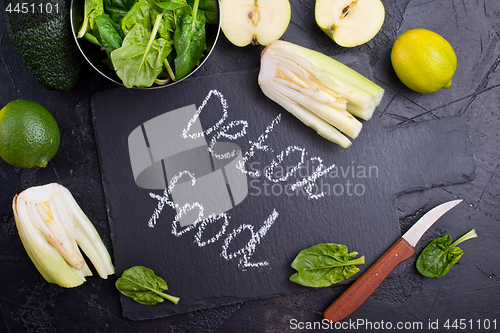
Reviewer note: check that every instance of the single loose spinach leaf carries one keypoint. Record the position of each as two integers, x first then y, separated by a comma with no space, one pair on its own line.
140,58
325,264
189,43
141,284
440,255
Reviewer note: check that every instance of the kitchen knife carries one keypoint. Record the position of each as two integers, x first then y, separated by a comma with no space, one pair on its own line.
400,251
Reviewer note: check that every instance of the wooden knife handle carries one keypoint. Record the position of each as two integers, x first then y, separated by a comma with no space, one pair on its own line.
366,284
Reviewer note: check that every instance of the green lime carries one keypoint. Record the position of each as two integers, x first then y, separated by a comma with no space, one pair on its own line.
29,135
423,60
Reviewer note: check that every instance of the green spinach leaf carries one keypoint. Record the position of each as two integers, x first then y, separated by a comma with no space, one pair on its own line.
140,58
209,9
145,14
117,9
91,38
141,284
92,9
440,255
325,264
142,13
109,37
167,26
169,5
189,42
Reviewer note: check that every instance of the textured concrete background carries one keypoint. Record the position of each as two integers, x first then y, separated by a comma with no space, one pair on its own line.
470,291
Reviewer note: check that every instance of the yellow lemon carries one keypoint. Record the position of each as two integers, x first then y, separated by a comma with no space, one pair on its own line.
423,60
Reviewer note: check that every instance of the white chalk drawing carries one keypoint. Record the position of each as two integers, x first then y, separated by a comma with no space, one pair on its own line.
173,168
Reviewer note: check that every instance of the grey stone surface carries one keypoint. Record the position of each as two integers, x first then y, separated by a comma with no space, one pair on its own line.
469,291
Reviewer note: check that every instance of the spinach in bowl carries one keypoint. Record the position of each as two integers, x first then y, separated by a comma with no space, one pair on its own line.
146,43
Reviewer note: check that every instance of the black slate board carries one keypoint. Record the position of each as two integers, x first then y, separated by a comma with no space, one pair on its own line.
210,265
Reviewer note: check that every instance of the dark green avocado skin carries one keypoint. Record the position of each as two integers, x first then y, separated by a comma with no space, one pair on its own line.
45,42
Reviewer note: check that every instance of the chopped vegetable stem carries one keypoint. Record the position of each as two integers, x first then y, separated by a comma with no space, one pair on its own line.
53,229
306,82
169,69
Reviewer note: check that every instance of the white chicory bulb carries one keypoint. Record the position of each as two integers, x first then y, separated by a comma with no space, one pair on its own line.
53,229
320,91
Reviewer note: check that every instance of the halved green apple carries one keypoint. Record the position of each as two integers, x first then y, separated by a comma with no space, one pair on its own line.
350,22
254,21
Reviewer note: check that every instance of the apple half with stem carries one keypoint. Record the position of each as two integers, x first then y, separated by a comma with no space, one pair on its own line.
254,21
350,22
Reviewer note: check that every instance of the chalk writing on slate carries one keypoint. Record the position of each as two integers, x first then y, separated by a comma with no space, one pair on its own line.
203,181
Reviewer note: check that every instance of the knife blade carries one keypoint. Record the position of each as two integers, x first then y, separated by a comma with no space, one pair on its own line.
400,251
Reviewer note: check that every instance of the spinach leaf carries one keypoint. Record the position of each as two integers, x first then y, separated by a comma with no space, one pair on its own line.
209,9
189,42
440,255
91,38
169,5
142,13
145,14
117,9
167,26
109,37
140,58
141,284
92,9
325,264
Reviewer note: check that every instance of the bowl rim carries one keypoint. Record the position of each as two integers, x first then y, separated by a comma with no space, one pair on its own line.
117,80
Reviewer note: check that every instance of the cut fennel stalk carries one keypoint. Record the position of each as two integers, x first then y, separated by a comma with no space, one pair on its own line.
53,228
321,92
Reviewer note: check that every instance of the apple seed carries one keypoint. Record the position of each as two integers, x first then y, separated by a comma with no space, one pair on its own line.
345,11
254,16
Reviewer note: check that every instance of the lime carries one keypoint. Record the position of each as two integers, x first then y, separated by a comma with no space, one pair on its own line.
423,60
29,135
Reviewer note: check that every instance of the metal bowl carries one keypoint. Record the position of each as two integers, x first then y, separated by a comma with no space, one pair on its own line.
95,56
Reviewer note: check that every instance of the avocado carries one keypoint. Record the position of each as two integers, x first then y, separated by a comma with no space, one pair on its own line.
43,38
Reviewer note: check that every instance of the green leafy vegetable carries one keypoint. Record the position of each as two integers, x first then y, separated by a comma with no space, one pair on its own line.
149,41
143,286
142,13
441,254
145,14
140,58
91,38
189,42
92,9
168,5
109,37
117,9
325,264
167,25
209,9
